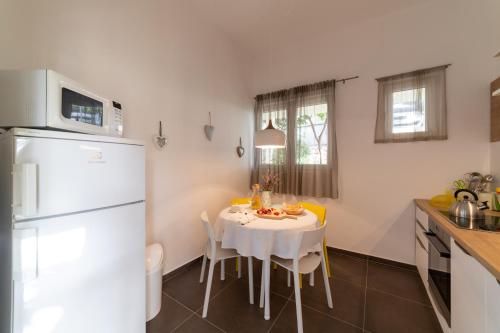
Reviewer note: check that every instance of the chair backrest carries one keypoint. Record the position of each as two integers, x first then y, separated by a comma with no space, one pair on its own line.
310,239
240,201
318,210
208,228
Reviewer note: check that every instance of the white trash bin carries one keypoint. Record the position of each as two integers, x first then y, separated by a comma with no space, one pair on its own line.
154,274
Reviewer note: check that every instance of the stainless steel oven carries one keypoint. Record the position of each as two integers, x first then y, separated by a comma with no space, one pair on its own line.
440,268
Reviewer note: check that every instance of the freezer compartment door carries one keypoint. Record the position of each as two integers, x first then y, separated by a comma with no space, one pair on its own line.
81,273
54,176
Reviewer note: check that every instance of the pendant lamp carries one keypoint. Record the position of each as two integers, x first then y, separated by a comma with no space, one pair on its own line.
270,137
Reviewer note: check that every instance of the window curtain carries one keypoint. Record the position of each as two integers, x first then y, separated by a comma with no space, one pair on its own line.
308,164
412,106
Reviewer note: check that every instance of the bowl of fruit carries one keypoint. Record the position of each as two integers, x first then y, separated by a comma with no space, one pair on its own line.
293,209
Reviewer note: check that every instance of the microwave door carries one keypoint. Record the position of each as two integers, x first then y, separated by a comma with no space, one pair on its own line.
73,108
81,108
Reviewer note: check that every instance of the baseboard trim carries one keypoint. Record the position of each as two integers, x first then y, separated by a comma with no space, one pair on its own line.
182,268
373,258
389,262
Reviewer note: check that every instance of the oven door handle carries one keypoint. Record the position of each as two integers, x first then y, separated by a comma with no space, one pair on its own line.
436,243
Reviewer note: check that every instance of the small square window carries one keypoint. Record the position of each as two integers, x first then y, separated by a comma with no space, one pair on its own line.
412,106
408,111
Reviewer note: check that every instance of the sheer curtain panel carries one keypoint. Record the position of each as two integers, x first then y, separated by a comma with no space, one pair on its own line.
308,164
412,106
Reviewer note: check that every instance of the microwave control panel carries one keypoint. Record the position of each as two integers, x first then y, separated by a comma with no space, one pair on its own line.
117,119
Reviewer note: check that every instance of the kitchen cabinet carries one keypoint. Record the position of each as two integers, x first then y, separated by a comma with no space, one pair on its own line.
422,258
475,291
492,304
421,254
468,297
421,244
475,295
495,112
422,218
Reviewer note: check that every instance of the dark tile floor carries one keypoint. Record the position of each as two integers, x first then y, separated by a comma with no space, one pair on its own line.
368,296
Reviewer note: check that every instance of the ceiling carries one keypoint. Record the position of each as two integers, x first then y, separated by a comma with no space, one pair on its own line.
256,24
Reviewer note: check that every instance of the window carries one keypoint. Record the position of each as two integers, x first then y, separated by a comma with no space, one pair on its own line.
311,141
308,164
412,106
408,111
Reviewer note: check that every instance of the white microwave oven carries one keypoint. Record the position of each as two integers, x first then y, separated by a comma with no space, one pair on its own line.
43,98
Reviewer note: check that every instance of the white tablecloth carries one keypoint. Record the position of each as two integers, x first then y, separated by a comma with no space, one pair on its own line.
259,237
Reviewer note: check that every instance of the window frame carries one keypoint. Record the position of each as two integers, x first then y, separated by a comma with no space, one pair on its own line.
289,143
390,115
433,80
325,132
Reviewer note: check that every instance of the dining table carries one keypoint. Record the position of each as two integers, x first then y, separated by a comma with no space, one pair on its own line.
238,227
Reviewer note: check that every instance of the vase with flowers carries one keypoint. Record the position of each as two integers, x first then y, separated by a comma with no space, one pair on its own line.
269,181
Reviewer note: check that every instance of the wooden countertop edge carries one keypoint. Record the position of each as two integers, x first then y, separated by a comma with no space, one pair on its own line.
483,246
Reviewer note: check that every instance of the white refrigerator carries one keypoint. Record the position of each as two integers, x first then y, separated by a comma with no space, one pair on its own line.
72,233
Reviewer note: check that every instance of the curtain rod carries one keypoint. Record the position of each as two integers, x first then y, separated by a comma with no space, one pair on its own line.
333,80
412,72
347,79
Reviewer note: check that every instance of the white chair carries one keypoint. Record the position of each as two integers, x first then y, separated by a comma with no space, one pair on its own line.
306,265
215,253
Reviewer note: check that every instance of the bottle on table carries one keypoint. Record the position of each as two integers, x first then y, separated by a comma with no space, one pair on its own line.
256,201
495,202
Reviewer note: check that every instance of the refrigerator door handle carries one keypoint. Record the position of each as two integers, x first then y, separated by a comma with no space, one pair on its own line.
25,255
25,189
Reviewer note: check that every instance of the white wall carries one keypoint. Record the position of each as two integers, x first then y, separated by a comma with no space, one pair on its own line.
161,63
374,214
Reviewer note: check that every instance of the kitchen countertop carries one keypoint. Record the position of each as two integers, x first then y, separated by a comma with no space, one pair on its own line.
482,245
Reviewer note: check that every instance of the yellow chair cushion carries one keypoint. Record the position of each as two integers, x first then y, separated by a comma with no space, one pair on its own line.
318,210
240,201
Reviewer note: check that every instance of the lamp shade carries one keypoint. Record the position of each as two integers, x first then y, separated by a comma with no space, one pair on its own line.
270,137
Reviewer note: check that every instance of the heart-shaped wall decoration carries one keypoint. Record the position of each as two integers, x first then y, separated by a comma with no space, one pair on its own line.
160,141
240,150
209,132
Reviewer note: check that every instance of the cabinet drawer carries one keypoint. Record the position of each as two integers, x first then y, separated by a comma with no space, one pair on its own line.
420,233
422,217
421,260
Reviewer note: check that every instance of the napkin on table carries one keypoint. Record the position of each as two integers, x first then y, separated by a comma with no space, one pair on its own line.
243,218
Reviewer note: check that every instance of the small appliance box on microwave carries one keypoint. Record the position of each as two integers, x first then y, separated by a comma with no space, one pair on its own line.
45,99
